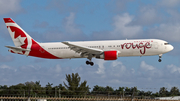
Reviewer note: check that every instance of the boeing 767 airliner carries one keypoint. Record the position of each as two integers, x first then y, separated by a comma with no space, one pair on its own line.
107,50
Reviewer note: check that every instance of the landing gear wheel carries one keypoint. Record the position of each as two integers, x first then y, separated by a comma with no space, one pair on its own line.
160,56
87,62
159,60
91,63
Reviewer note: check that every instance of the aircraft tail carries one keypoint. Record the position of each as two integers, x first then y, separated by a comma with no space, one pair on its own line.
24,44
21,39
18,35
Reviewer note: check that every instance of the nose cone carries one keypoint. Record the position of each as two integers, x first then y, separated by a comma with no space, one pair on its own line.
170,48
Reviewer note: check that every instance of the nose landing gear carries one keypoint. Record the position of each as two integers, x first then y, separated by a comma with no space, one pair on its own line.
159,60
160,56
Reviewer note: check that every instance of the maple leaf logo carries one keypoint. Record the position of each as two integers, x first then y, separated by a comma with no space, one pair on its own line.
18,41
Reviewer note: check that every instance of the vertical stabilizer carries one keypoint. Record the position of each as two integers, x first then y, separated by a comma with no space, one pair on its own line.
24,44
19,36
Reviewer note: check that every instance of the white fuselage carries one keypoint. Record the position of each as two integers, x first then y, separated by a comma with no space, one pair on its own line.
141,47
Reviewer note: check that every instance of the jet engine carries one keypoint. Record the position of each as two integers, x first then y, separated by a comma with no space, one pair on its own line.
108,55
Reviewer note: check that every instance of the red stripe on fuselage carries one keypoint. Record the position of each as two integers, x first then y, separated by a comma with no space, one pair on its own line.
38,51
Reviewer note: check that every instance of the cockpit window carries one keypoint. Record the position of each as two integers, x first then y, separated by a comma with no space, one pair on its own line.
166,43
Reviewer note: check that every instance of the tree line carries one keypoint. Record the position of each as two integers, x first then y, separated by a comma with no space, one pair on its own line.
74,87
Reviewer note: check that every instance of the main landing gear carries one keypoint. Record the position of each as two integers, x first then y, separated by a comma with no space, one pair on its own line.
89,62
160,56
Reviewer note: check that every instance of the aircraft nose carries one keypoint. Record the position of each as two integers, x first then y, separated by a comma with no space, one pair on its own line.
170,48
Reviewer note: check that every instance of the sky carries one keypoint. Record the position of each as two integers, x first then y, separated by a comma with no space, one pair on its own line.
81,20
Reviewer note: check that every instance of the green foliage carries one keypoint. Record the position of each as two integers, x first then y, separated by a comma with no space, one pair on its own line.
163,92
120,91
74,87
131,91
98,90
154,95
174,91
49,91
102,90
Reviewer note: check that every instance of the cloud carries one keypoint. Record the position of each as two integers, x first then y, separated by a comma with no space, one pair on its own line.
70,31
113,73
146,67
121,26
70,26
10,6
15,75
7,58
122,29
172,68
63,6
118,5
149,72
101,67
166,31
169,3
157,20
41,24
124,25
117,66
146,16
173,16
5,67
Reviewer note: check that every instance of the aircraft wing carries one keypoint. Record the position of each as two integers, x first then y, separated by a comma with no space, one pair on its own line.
17,48
82,49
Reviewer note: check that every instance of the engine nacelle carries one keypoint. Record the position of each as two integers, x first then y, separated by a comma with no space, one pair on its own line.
108,55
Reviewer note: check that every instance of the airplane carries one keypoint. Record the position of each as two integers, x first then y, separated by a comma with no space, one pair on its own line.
107,49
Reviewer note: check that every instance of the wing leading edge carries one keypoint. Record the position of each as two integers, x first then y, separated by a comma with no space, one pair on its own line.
83,49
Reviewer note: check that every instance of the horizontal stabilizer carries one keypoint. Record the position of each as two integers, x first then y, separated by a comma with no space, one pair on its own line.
17,48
